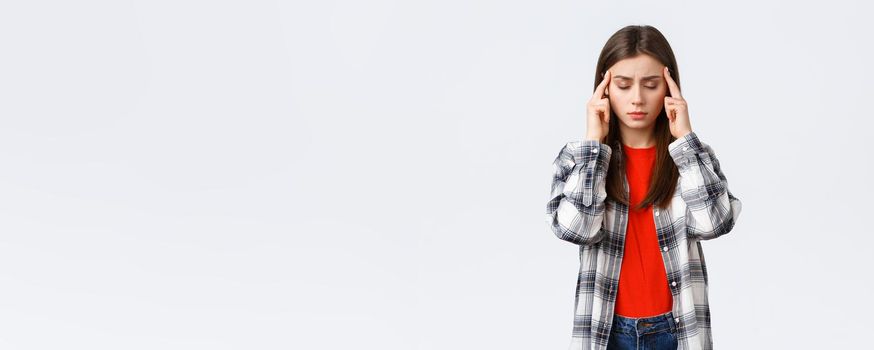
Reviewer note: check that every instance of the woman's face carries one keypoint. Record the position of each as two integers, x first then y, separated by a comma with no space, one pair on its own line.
638,84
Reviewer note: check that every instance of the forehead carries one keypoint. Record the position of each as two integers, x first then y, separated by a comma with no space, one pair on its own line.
638,67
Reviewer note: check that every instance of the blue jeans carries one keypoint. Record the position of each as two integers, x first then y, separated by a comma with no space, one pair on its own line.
646,333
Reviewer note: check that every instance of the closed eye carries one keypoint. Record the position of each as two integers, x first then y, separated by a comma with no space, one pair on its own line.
648,87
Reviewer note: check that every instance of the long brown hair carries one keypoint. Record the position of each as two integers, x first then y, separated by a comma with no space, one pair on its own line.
629,42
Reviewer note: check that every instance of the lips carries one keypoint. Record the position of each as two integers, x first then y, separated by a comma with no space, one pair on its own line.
637,115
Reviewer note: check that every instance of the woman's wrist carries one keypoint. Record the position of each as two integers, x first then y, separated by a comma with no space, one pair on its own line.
594,138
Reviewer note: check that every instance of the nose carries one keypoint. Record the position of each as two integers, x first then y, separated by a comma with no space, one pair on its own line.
637,96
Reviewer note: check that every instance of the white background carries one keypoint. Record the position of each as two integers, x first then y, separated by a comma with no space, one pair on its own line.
374,175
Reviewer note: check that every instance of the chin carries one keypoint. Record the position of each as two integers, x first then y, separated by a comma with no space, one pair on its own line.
638,124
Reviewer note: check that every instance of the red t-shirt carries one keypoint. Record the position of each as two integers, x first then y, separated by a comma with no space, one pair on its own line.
643,282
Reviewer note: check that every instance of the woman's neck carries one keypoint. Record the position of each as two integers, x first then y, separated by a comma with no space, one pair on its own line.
638,138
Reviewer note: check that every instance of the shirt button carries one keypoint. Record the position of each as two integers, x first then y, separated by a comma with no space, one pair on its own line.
664,249
685,148
676,320
674,283
594,150
657,213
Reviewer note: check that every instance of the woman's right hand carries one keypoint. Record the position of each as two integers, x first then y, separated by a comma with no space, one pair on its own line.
598,112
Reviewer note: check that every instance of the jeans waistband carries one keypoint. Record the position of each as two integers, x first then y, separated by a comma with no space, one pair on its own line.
643,325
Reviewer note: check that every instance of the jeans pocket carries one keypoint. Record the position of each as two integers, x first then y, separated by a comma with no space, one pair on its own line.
663,340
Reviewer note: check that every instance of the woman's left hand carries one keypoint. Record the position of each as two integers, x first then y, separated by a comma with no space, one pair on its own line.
676,109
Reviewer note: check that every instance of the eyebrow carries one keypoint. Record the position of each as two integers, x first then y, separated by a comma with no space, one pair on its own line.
651,77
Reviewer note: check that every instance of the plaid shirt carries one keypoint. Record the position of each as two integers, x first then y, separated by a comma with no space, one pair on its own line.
702,208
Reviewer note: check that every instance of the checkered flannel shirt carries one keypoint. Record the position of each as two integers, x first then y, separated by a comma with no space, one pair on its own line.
577,211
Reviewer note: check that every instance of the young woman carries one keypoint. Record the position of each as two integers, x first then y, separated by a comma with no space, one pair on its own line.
638,195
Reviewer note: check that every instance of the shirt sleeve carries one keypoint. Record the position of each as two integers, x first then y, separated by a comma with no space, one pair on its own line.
575,210
711,208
